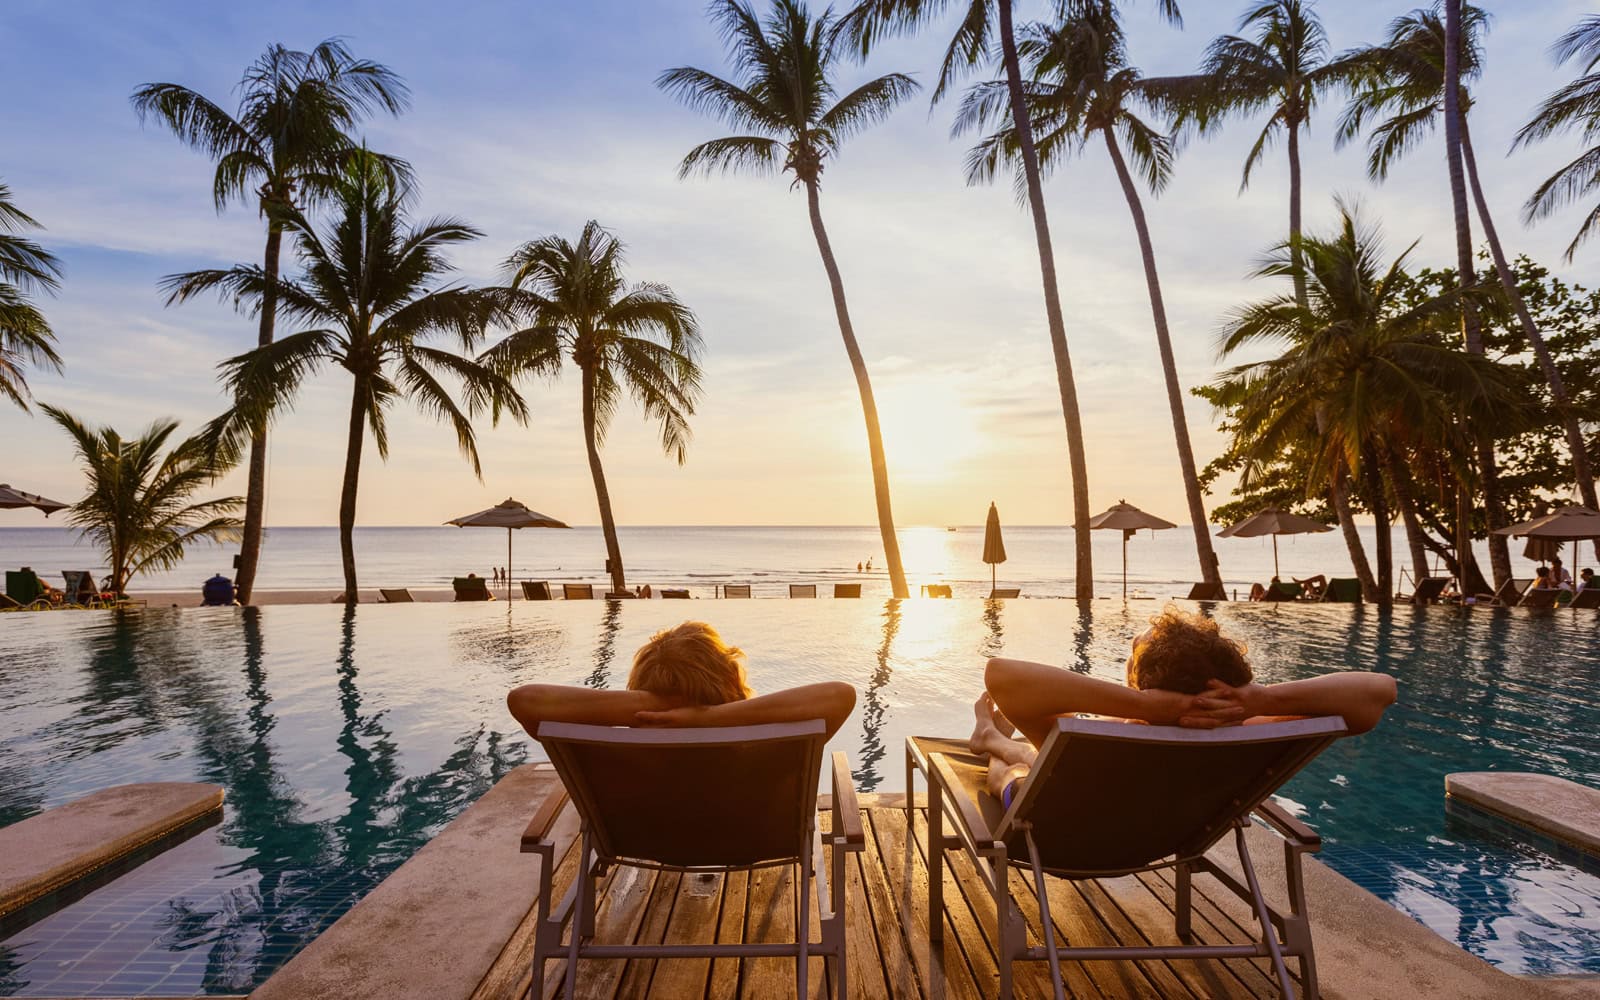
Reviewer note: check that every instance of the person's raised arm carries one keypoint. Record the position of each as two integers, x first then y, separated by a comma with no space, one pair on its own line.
830,701
1034,695
532,704
1358,697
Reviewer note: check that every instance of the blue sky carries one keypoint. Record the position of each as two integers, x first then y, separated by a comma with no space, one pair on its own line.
530,118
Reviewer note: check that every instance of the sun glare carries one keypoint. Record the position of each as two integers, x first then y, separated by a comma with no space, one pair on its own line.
927,431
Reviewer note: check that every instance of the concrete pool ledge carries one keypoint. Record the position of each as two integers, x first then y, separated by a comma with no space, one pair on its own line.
61,847
1560,809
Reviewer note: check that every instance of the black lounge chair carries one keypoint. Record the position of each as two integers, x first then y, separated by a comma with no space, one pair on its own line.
577,591
1537,598
471,588
396,595
740,590
1588,598
802,590
1281,591
1004,593
1510,592
1428,590
847,590
536,590
1342,590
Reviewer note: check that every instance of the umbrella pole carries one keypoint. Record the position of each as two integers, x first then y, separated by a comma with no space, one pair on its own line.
1124,567
991,579
1275,558
508,566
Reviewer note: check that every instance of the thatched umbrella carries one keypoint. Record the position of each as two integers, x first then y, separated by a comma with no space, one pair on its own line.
1272,521
15,499
1126,518
994,547
508,515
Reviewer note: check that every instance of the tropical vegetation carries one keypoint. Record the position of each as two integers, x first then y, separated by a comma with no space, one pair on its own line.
140,508
575,304
790,117
282,149
26,339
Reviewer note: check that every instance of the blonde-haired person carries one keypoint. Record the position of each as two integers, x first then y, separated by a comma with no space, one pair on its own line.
684,676
1180,671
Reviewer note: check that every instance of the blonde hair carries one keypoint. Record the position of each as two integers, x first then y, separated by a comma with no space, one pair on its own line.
1183,651
690,661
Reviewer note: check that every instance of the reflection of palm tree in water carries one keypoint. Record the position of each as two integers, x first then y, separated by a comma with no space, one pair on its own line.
995,642
606,651
866,775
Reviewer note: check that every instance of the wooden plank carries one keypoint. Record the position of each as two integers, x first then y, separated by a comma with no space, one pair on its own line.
636,978
725,972
770,917
941,968
884,914
1144,910
621,911
693,921
1213,926
863,966
1097,895
1077,925
1074,974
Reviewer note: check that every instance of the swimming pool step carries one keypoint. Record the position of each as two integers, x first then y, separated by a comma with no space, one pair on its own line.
1552,807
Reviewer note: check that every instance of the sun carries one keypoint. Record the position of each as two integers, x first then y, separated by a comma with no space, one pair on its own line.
927,430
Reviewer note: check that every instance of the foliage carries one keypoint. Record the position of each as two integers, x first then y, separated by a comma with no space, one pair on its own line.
25,267
1575,106
139,508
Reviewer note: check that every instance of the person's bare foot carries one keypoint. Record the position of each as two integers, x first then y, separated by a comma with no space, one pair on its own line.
984,728
1002,724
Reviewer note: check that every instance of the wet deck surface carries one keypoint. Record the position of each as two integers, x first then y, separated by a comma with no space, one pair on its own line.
887,931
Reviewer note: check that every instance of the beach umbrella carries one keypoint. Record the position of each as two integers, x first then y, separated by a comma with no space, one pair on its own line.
1568,524
1126,518
1541,549
994,547
509,515
1272,521
15,499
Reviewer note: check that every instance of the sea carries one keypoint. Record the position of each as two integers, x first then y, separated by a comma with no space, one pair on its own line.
1039,559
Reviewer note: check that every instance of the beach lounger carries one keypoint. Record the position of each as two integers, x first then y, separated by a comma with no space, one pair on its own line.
396,596
1208,592
674,595
536,590
7,604
24,587
936,590
1589,598
1005,592
802,590
736,590
847,590
1511,591
1428,590
696,801
1342,590
81,589
471,588
577,591
1281,591
1106,799
1538,599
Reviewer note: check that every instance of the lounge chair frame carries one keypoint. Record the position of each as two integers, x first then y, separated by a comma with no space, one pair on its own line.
1588,598
736,591
536,590
1012,841
1428,591
802,590
562,740
577,591
1005,593
846,590
396,595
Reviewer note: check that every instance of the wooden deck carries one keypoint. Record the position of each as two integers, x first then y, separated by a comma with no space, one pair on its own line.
889,954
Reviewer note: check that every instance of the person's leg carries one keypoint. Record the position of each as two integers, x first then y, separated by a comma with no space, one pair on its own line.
989,740
1002,774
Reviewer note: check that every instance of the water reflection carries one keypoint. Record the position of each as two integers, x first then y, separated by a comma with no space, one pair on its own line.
867,775
606,651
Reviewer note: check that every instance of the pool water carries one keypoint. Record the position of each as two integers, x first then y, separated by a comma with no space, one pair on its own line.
346,740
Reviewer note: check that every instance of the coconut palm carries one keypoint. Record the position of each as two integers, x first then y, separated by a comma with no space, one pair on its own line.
370,294
279,150
1082,88
575,305
25,267
1575,106
793,119
140,509
983,26
1406,91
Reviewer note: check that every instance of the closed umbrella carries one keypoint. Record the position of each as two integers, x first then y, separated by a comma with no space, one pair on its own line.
1541,549
1272,521
509,515
14,499
1126,518
994,547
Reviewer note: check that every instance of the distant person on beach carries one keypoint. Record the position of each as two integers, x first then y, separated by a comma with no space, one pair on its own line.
1560,577
1585,579
858,567
1181,671
1541,579
1258,592
684,676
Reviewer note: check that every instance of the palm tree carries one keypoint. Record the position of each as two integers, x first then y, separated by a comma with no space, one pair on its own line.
25,337
280,149
1575,106
369,295
982,24
786,104
139,509
576,305
1407,86
1361,374
1082,86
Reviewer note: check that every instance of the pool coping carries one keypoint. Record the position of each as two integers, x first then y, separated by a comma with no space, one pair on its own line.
1552,808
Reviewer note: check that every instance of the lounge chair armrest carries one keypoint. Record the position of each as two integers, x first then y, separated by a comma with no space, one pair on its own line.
533,838
846,810
1287,826
966,810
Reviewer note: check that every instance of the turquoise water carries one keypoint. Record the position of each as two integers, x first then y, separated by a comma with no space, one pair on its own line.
345,741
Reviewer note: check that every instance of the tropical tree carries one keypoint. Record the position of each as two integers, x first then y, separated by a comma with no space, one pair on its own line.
281,149
1082,87
25,267
1406,91
1575,106
984,25
1364,378
140,509
370,295
574,304
792,118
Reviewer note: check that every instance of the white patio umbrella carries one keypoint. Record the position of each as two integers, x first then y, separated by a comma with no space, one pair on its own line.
509,515
11,498
1126,518
1274,522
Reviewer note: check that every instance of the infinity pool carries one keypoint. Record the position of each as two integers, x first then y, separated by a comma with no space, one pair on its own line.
345,741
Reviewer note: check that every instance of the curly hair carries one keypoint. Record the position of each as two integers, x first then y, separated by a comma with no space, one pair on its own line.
1183,651
690,661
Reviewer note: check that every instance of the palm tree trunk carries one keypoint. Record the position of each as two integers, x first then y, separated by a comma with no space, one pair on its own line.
1352,538
1472,330
1541,351
1084,570
255,502
1378,501
602,496
1300,296
1405,499
347,495
869,407
1209,570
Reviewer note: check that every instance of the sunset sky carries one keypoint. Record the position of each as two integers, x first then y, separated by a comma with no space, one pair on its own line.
530,118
